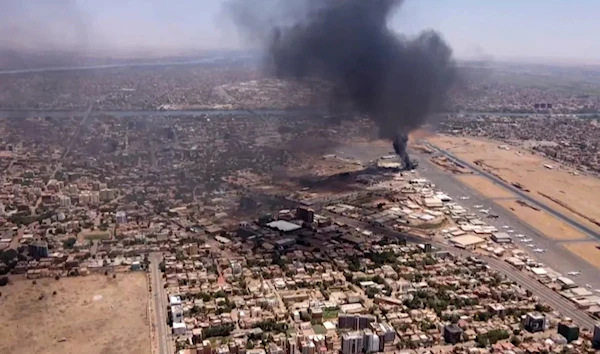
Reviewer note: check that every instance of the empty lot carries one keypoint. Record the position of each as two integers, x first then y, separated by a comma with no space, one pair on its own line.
485,187
588,251
91,314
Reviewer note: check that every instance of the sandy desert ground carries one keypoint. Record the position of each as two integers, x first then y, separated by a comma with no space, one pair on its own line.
545,223
578,193
91,314
588,251
484,186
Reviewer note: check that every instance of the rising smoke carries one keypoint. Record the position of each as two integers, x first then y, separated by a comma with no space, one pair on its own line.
395,80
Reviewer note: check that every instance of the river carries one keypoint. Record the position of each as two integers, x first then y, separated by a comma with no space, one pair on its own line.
207,60
216,112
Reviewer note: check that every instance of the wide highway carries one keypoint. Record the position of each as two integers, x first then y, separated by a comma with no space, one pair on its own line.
159,301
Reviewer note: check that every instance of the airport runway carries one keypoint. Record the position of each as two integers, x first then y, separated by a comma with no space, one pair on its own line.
521,194
556,256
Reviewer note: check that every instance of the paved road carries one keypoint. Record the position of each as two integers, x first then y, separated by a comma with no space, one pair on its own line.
76,133
521,194
159,298
557,302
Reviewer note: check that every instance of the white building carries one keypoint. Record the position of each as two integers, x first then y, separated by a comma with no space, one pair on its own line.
179,329
73,189
64,201
85,197
177,314
121,217
107,194
352,343
371,341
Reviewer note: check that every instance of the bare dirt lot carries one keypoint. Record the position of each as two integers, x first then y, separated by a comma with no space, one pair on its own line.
545,223
588,251
93,314
577,193
485,187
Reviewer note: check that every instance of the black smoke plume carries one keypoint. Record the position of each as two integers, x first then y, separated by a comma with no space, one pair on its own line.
395,80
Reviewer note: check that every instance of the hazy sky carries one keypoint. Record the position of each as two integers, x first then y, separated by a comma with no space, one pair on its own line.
495,29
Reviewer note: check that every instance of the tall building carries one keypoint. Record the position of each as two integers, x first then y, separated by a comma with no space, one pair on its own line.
452,334
568,330
85,197
355,322
352,342
107,194
64,201
95,197
177,313
291,346
73,189
371,341
596,337
121,217
305,214
38,249
535,322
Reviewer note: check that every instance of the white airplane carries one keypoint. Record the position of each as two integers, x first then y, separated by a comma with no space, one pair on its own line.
527,240
519,236
539,250
484,211
511,231
478,206
463,198
574,272
530,245
506,227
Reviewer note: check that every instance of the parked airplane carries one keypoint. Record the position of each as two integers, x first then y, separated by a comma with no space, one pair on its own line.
484,211
519,236
527,240
463,198
539,250
478,206
574,272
